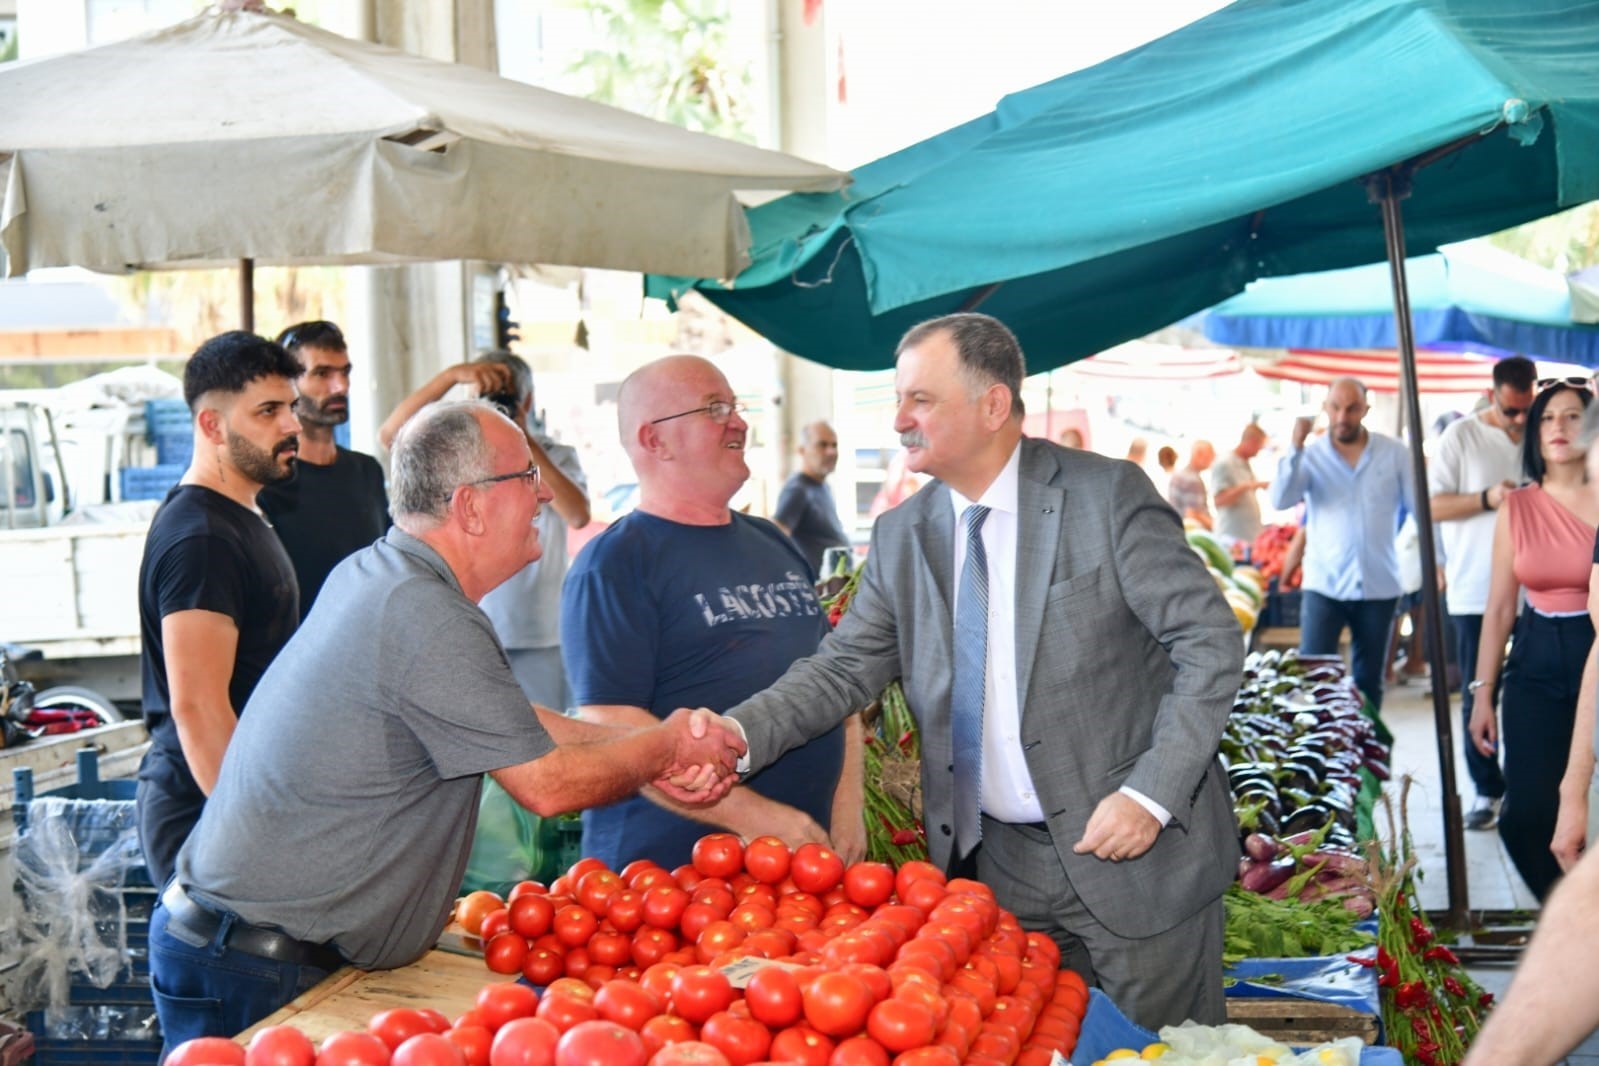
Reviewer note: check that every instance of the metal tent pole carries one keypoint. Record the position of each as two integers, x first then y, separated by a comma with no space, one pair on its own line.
247,295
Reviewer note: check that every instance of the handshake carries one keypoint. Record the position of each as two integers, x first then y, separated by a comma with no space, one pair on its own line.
701,762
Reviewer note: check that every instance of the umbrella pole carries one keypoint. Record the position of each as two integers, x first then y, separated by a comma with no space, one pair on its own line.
247,295
1388,187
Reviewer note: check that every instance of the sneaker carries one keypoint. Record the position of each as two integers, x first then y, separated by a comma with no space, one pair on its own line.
1484,814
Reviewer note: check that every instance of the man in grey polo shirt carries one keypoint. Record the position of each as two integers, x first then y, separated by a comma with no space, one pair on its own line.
343,813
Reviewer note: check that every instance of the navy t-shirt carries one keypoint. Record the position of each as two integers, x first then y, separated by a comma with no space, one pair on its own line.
805,508
661,615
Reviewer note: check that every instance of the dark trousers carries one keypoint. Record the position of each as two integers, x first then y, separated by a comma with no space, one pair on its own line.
210,989
1484,769
1322,619
1537,707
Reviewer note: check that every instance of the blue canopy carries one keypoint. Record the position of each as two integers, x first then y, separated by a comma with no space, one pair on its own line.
1121,198
1465,296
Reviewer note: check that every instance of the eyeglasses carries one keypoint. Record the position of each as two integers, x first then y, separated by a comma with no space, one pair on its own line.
1586,384
530,475
720,412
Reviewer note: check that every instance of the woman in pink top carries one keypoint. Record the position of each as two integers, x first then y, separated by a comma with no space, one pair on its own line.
1543,545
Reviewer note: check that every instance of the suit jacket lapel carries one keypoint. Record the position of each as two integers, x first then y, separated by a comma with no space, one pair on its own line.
1041,508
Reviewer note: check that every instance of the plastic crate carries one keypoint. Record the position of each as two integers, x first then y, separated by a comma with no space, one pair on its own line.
175,447
163,417
88,787
1281,609
150,482
95,1036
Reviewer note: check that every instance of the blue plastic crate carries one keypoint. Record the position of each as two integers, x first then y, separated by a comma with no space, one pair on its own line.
174,447
1281,608
150,482
165,417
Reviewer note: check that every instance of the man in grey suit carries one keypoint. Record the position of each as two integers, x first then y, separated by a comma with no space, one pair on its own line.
1071,690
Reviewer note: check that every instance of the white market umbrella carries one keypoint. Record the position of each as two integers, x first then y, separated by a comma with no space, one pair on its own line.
253,136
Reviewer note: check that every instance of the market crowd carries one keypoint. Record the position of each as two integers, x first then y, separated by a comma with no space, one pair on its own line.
336,668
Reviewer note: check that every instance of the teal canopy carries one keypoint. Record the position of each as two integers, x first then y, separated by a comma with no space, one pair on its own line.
1116,200
1464,297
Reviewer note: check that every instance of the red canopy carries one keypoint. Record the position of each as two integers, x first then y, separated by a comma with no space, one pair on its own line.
1438,372
1146,361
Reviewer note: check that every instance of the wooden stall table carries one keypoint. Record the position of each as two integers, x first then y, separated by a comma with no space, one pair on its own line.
346,999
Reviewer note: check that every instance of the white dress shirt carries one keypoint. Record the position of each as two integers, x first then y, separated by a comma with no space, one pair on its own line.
1007,784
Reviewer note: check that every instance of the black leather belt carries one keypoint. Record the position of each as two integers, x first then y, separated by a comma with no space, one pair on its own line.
274,944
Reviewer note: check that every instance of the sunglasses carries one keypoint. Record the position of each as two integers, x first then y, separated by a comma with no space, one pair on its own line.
317,334
1586,384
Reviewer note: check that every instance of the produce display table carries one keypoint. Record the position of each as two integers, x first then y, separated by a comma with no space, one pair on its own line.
348,998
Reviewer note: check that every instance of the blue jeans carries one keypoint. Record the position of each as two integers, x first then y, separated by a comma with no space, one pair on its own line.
209,989
1322,619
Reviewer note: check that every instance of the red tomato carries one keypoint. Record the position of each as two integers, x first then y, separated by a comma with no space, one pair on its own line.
349,1048
718,855
427,1049
638,867
663,906
816,868
900,1025
506,952
531,915
526,888
525,1042
575,872
500,1003
645,880
923,893
395,1027
473,1041
717,938
574,924
936,1055
742,1040
625,911
837,1004
211,1051
774,997
686,876
435,1018
563,1011
714,893
767,859
600,1044
280,1045
597,887
696,916
752,917
611,949
664,1029
689,1053
543,966
650,945
876,978
626,1003
699,992
859,1051
495,923
801,1044
914,870
769,944
573,987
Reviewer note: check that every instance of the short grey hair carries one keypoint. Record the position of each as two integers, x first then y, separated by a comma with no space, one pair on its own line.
440,448
989,352
521,373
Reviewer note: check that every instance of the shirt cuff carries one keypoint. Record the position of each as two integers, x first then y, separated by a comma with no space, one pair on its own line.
742,767
1162,815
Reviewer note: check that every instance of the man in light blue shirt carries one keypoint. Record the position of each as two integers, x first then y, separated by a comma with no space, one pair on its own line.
1356,484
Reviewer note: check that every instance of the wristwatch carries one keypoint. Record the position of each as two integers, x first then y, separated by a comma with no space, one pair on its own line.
1475,685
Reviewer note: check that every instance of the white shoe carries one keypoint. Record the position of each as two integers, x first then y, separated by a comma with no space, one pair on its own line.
1484,814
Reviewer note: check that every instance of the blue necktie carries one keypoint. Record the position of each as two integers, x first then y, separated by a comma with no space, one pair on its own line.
967,691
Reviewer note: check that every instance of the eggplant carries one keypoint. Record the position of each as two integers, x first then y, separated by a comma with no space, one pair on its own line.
1265,876
1261,847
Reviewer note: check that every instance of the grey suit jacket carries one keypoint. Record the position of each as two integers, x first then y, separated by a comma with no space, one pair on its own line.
1128,661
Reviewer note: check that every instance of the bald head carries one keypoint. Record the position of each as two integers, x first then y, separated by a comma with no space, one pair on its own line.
683,433
1346,409
1202,456
818,450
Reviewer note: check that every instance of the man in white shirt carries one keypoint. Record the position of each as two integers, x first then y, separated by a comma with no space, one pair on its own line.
1478,460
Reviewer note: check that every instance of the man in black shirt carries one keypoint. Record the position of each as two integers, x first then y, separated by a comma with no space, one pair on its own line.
333,505
805,507
217,594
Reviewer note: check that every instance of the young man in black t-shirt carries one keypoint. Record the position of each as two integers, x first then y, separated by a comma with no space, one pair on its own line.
217,594
333,505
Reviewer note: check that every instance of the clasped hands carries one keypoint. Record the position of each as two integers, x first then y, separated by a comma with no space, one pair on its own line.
703,763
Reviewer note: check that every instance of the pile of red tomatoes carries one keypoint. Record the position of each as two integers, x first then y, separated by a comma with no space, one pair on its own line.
830,965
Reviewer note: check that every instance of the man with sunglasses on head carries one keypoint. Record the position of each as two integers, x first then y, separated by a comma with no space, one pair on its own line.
340,824
685,602
333,504
1477,461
